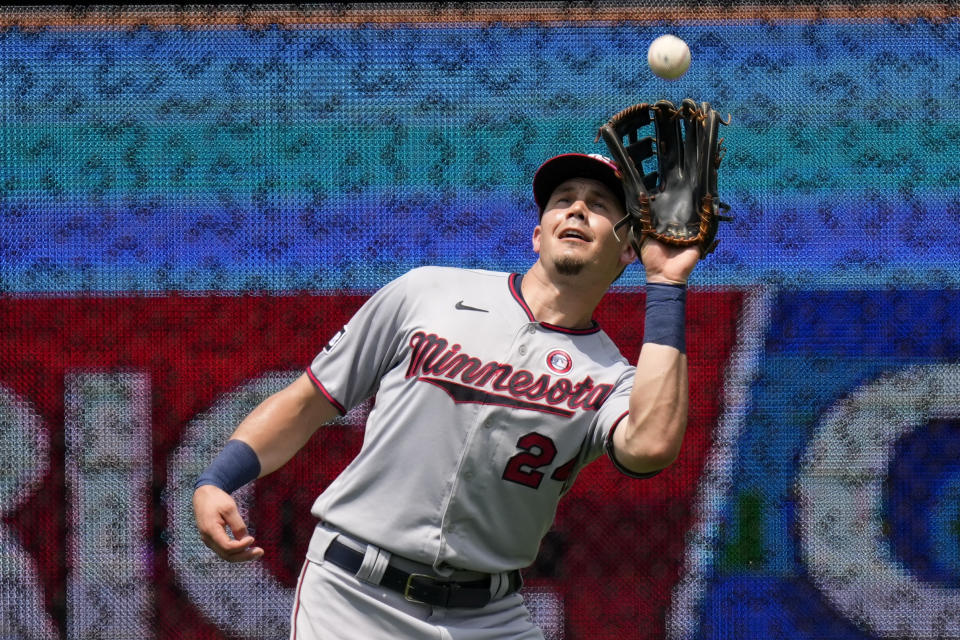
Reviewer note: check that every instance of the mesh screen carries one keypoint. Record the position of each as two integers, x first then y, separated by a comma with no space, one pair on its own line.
194,199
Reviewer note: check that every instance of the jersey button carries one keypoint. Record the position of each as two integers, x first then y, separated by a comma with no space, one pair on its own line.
522,350
532,329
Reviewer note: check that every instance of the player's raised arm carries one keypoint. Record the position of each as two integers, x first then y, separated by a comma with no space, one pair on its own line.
674,213
651,436
266,439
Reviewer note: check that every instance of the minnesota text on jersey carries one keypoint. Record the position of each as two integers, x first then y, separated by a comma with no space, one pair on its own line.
432,355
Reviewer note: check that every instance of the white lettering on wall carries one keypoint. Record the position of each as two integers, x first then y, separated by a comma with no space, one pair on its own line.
243,599
108,475
841,505
25,455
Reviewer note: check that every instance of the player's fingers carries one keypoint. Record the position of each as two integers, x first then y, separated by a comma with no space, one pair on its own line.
217,539
215,511
214,534
235,522
231,549
243,554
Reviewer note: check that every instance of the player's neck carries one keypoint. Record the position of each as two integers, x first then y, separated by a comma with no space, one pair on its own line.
565,301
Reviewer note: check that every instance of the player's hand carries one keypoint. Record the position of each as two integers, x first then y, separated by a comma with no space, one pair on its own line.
215,510
668,264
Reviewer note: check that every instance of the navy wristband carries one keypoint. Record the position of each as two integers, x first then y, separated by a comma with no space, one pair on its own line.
236,465
665,320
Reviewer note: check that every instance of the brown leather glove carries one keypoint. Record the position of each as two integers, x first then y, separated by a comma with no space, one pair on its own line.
677,202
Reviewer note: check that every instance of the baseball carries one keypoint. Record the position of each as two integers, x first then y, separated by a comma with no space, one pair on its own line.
668,57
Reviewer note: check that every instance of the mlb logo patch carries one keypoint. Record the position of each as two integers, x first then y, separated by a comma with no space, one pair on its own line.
559,361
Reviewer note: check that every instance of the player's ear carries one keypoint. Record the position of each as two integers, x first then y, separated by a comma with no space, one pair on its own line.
537,230
627,253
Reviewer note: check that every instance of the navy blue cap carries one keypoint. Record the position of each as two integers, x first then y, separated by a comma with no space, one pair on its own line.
559,169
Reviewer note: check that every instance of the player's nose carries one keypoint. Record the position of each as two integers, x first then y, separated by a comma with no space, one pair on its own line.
577,209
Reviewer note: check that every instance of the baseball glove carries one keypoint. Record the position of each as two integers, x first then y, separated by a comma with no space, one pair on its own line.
677,203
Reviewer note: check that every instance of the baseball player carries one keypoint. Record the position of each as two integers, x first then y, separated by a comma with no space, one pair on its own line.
493,390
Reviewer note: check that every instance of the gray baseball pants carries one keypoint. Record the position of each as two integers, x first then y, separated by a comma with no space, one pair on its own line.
332,604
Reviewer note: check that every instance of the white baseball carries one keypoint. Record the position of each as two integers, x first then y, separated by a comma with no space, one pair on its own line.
668,57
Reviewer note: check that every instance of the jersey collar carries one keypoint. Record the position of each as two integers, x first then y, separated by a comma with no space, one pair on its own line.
514,283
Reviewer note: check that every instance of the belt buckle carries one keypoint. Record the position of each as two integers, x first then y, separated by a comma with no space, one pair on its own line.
409,585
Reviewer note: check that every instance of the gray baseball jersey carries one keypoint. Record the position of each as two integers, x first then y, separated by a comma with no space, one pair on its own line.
483,417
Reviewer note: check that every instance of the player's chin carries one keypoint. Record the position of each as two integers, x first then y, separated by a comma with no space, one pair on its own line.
569,265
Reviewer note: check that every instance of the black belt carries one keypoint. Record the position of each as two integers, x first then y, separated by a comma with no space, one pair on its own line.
420,587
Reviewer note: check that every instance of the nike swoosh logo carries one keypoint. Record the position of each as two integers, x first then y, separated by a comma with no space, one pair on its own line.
464,307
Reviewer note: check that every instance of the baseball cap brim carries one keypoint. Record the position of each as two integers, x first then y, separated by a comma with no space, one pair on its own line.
559,169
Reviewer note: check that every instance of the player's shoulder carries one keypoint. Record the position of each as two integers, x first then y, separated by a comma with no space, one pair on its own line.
606,350
452,276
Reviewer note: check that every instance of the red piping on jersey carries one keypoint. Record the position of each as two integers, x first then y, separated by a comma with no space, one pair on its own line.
296,607
323,390
617,423
613,458
514,283
578,332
